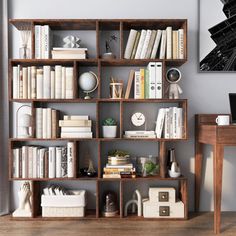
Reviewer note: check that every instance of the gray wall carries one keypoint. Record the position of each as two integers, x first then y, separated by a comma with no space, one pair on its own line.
207,92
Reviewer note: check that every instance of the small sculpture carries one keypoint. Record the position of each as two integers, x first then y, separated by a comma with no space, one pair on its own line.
108,54
173,166
173,76
71,42
134,202
110,204
25,208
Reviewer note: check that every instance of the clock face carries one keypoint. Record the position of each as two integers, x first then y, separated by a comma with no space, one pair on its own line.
138,119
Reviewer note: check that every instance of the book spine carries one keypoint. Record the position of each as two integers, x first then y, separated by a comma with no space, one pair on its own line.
140,44
63,83
30,162
25,82
130,44
24,162
47,41
175,44
156,44
46,82
54,123
171,122
42,42
181,44
58,82
71,123
44,124
142,79
52,162
167,123
29,83
69,82
145,44
46,164
175,122
15,82
179,117
135,45
64,162
77,135
152,79
41,162
160,122
39,83
52,92
38,41
158,79
169,42
70,159
20,73
49,123
163,45
34,157
33,82
75,117
58,162
146,83
137,85
16,163
151,43
39,122
75,129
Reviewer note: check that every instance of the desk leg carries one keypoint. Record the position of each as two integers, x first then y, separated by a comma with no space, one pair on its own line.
198,173
218,155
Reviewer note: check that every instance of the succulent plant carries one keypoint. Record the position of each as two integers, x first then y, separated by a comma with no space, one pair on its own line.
116,152
109,122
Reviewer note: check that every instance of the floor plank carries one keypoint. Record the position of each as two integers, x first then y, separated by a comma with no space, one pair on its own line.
201,224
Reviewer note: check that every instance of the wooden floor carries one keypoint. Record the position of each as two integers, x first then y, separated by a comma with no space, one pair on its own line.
197,225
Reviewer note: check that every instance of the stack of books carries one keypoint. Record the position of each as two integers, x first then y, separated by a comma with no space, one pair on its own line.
151,44
119,167
45,82
43,41
69,53
42,162
169,123
47,123
140,134
76,127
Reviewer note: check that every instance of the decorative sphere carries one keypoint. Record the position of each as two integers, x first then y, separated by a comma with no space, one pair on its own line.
87,81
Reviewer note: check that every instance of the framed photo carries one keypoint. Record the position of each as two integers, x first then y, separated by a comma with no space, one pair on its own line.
217,35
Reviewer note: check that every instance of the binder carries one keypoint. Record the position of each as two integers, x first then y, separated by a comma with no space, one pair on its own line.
152,80
158,79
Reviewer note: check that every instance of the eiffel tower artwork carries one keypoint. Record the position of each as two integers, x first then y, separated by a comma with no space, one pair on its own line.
223,56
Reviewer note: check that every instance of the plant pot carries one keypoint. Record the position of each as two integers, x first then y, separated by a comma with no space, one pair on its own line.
109,131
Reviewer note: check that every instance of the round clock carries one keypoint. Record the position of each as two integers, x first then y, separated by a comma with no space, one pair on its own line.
138,119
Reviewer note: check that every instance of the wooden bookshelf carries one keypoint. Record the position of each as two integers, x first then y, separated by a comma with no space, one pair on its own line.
98,26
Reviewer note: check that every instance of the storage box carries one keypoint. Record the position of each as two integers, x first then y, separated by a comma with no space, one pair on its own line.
162,195
64,205
163,210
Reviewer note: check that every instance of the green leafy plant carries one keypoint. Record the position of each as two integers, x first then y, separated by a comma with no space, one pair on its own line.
151,168
119,153
109,122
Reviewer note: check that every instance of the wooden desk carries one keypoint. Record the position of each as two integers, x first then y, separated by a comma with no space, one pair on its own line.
207,132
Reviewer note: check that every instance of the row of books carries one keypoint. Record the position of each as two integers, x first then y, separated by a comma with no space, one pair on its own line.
169,123
47,123
76,127
151,44
43,82
42,162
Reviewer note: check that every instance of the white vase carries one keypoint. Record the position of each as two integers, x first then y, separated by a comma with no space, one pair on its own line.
109,131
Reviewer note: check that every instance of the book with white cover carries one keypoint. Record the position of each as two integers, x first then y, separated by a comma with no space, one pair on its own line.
49,123
163,45
24,162
63,83
51,162
64,162
70,49
35,157
145,44
70,159
47,41
137,85
174,118
15,82
68,56
39,122
30,162
41,162
169,42
160,122
151,43
140,44
171,122
16,163
46,81
52,92
181,44
81,117
75,129
156,44
25,82
58,161
167,124
29,83
175,46
33,82
69,82
152,79
38,34
44,123
179,117
39,83
130,44
42,43
76,134
77,123
135,45
58,81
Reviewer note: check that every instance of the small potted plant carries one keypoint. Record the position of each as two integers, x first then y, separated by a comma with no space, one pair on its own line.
109,128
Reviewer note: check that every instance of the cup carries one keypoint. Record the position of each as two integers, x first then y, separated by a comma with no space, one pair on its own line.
222,120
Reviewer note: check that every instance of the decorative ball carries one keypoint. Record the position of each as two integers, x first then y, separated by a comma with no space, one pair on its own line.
173,75
87,81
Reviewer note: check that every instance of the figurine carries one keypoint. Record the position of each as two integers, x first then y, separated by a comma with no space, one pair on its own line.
108,54
110,204
71,42
134,202
173,76
25,208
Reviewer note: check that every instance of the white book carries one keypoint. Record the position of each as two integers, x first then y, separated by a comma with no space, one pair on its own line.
158,76
49,123
25,82
33,82
181,44
58,162
81,117
38,162
64,162
76,134
70,159
41,162
42,43
68,56
39,122
47,41
69,49
130,44
52,92
29,83
174,119
46,81
167,124
156,44
58,82
38,33
137,85
69,82
35,157
171,122
179,121
39,83
163,45
75,129
15,81
152,79
63,82
44,123
24,162
20,75
160,122
145,44
52,162
140,44
16,163
30,162
169,42
137,132
175,46
150,44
